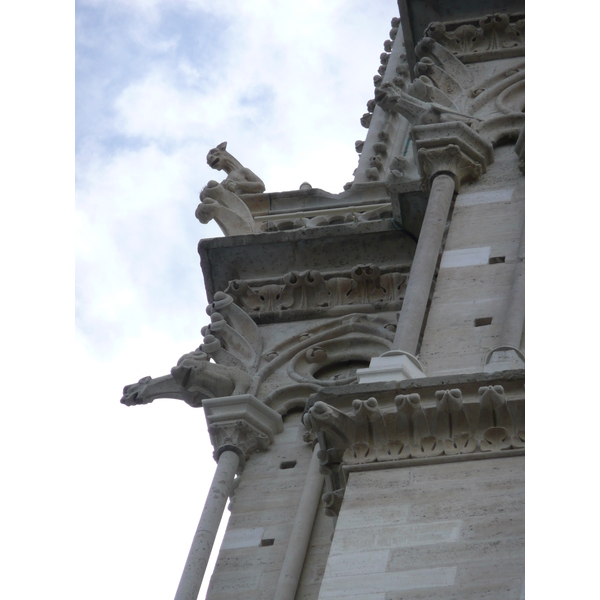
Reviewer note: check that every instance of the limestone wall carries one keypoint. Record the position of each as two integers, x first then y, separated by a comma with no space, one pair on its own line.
476,269
451,531
262,515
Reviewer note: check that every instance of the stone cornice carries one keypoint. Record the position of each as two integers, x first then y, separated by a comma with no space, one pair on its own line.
322,292
490,37
258,255
412,429
441,423
341,397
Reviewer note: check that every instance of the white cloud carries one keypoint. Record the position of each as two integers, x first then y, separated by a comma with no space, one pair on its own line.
285,84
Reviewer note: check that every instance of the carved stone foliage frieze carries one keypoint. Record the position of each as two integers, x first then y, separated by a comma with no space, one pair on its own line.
364,284
493,36
410,430
449,159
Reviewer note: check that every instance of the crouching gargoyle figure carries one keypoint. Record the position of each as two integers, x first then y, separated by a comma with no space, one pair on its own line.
221,202
192,380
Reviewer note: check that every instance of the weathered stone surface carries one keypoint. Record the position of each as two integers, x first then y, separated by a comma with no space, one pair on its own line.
424,477
465,521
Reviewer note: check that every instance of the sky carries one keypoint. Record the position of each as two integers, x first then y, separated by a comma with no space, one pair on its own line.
157,85
102,283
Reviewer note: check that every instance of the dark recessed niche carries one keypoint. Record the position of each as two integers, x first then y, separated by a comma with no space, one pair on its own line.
287,464
267,542
494,260
341,370
483,321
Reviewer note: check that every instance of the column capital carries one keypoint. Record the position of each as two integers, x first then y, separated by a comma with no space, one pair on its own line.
241,423
453,149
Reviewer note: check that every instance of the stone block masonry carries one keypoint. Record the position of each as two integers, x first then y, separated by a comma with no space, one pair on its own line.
453,530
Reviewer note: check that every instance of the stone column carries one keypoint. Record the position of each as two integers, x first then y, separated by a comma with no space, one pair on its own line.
508,355
289,576
424,263
204,538
448,153
238,426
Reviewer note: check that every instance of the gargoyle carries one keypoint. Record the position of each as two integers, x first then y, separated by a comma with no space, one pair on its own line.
418,112
148,389
401,169
221,202
239,180
196,374
231,214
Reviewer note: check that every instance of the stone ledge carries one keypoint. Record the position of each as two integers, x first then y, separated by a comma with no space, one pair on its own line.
263,255
341,397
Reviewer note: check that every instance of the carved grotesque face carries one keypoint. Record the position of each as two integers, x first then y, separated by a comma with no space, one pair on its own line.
216,157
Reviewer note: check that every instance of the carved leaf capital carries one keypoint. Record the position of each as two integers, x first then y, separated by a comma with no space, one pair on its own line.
450,160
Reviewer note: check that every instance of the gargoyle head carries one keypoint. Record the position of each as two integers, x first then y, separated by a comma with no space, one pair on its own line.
218,158
134,394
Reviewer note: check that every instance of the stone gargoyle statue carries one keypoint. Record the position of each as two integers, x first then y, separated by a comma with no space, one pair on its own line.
223,365
195,373
193,379
221,202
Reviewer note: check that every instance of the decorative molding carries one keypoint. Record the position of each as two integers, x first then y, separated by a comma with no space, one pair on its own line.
408,430
395,365
452,148
364,284
445,90
489,38
232,362
324,218
386,141
449,160
503,358
241,423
